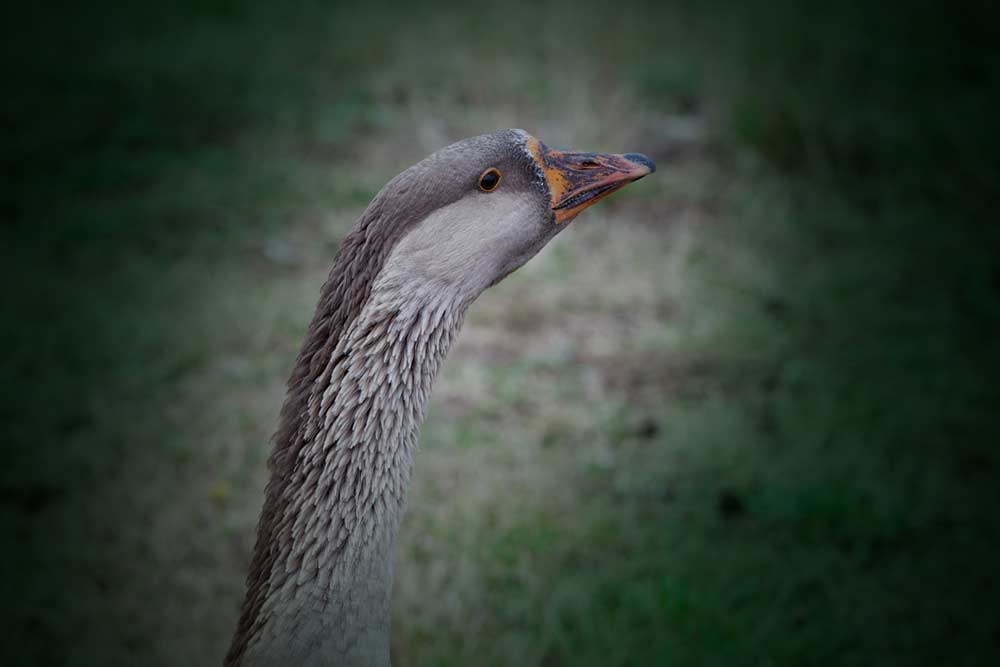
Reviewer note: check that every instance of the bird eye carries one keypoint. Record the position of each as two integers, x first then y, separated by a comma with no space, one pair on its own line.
490,179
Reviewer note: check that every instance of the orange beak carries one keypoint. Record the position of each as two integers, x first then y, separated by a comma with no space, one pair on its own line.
579,180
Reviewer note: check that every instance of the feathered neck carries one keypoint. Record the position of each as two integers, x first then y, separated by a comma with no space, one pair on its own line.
319,586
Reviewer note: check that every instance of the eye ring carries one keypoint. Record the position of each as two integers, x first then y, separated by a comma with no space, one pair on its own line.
489,180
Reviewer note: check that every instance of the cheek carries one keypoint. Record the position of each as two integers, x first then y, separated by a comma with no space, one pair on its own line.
508,245
473,243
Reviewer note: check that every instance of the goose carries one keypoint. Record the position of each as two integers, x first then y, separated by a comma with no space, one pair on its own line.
430,242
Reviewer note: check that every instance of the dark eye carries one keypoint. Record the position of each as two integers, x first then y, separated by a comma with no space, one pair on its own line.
490,179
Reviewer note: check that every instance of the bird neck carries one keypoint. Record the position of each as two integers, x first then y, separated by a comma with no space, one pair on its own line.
320,585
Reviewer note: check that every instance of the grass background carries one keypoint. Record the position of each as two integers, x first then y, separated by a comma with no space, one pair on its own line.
743,413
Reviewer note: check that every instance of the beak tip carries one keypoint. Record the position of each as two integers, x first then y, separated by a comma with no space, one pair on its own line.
642,160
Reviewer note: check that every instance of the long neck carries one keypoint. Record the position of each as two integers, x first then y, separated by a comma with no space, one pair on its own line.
319,590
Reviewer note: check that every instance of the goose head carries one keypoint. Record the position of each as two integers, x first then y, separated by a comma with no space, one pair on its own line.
477,210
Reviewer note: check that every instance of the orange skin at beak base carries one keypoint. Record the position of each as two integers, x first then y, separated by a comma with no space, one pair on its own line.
579,180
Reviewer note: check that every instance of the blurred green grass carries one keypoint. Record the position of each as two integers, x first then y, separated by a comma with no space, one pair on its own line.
742,414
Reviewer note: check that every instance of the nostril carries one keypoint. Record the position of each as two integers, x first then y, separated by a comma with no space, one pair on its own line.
590,164
639,158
